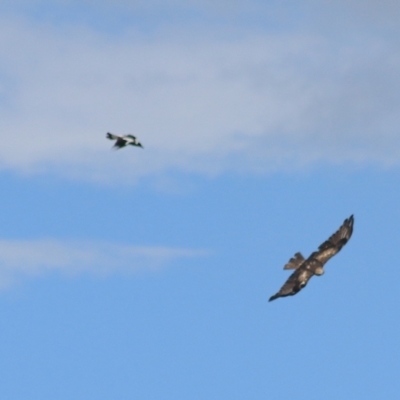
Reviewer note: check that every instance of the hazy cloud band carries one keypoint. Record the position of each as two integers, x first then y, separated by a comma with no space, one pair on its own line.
20,259
199,103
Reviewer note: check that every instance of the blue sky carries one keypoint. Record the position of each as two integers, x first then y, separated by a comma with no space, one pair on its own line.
146,273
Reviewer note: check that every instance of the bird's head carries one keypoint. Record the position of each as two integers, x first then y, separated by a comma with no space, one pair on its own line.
319,271
139,145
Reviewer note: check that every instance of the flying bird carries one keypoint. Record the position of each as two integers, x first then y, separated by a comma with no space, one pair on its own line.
123,141
314,265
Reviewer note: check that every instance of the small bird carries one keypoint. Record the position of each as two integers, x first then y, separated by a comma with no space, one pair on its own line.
123,141
313,265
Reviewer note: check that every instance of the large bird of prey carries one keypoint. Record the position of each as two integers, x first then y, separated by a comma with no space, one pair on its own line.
122,141
314,265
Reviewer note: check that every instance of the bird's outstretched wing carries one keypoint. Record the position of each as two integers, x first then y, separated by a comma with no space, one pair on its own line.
334,244
111,136
295,261
305,269
294,283
120,143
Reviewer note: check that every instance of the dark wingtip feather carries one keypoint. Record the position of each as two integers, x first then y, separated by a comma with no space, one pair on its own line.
350,220
274,297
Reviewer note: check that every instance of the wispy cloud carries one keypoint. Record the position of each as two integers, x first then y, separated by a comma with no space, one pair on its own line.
203,103
31,258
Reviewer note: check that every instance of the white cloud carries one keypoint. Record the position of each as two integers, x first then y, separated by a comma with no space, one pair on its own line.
198,103
31,258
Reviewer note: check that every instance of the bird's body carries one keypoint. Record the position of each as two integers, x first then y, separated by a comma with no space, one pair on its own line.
314,265
123,141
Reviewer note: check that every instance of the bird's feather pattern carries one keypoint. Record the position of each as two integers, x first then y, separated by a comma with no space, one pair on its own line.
123,141
335,243
305,269
295,261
